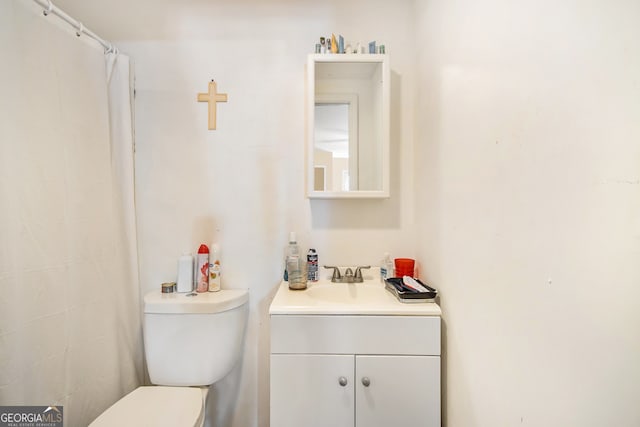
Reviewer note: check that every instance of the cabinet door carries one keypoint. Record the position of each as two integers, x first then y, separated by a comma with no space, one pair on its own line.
306,390
402,391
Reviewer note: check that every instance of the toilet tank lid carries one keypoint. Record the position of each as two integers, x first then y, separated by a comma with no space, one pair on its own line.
199,303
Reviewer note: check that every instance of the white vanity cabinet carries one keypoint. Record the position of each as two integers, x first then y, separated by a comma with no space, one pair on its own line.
362,371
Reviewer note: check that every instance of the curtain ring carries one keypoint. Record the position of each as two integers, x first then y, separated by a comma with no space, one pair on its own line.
49,8
80,29
111,49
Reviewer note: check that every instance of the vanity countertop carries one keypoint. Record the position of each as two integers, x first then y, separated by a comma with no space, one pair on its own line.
326,298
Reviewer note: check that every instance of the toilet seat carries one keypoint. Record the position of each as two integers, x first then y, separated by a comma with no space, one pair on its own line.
155,406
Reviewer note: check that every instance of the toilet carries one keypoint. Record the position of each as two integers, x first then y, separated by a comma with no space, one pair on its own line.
191,341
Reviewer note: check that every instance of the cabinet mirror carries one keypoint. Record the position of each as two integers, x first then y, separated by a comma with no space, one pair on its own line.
348,126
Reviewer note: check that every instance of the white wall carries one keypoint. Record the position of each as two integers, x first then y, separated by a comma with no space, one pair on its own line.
243,184
528,187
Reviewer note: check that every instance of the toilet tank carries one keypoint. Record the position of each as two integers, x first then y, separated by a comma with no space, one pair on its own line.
193,340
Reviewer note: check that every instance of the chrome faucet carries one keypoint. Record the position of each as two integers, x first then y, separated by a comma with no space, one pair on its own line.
359,277
335,277
349,276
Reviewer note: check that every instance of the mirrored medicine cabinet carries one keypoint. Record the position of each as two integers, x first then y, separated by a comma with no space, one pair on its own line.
347,126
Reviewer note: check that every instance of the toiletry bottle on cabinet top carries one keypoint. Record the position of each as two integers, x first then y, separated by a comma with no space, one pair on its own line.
295,265
312,266
386,267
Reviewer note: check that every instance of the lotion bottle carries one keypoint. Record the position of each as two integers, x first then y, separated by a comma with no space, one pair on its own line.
215,269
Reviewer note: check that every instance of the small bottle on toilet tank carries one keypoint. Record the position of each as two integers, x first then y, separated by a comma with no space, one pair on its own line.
215,270
202,269
185,274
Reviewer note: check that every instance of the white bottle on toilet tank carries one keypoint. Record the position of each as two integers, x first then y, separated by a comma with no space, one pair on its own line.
215,269
185,273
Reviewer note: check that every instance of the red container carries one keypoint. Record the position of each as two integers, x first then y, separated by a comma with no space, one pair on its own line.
404,267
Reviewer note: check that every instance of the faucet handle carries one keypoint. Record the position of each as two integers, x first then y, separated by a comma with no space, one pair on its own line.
335,277
359,272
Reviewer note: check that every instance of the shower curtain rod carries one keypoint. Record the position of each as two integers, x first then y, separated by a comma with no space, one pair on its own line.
49,7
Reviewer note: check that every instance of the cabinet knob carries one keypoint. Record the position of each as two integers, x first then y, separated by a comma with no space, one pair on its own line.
342,381
366,381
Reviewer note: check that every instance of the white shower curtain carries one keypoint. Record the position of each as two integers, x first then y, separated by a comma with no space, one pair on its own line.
70,328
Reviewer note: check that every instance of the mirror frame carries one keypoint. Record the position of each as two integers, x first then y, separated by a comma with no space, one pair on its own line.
385,125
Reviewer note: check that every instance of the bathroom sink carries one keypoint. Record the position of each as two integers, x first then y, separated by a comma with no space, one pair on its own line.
366,298
344,293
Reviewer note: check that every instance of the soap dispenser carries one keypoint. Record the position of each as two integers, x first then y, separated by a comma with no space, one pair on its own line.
386,267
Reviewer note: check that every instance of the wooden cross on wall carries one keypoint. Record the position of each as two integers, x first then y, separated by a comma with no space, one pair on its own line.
212,97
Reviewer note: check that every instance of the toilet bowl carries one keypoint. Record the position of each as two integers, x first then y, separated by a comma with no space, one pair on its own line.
190,342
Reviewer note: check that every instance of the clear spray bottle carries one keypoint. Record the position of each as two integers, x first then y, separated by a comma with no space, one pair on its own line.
295,265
